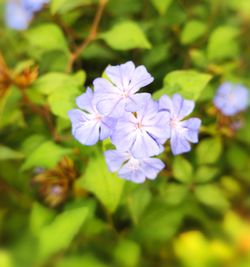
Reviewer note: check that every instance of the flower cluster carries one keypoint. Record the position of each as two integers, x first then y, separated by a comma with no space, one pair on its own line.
19,13
137,125
231,98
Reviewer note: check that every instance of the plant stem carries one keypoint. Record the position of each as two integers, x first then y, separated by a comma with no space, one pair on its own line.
91,36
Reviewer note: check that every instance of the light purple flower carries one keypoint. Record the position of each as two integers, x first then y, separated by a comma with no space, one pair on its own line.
132,169
33,5
119,94
142,132
16,16
231,98
88,125
182,132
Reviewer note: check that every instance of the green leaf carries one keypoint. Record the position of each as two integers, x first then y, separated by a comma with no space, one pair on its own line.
223,43
188,83
31,143
161,5
40,216
62,101
237,157
60,232
5,259
82,260
182,170
158,222
126,35
137,201
46,155
105,185
193,30
205,174
64,6
175,194
7,153
124,248
46,37
10,113
56,81
209,150
212,196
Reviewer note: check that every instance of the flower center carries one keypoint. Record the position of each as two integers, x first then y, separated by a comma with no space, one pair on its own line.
124,93
138,125
98,117
133,164
174,123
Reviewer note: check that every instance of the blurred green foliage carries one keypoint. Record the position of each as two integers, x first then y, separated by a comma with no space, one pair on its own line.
196,213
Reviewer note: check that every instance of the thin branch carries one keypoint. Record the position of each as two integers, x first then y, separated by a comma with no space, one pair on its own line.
90,37
22,198
43,112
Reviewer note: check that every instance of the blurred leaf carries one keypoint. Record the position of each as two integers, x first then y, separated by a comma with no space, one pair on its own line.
205,174
158,222
175,194
64,6
64,100
53,81
242,6
137,201
47,37
235,226
126,35
198,57
124,248
46,155
157,55
39,217
243,133
182,170
237,157
193,30
192,249
7,153
105,185
87,260
212,196
161,5
59,233
223,43
31,143
10,113
5,259
188,83
209,150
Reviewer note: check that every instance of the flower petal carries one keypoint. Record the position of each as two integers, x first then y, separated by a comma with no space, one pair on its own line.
131,172
77,117
124,134
136,101
84,101
121,75
115,159
158,127
87,133
181,107
113,106
144,145
140,78
179,144
166,103
108,124
151,167
192,129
